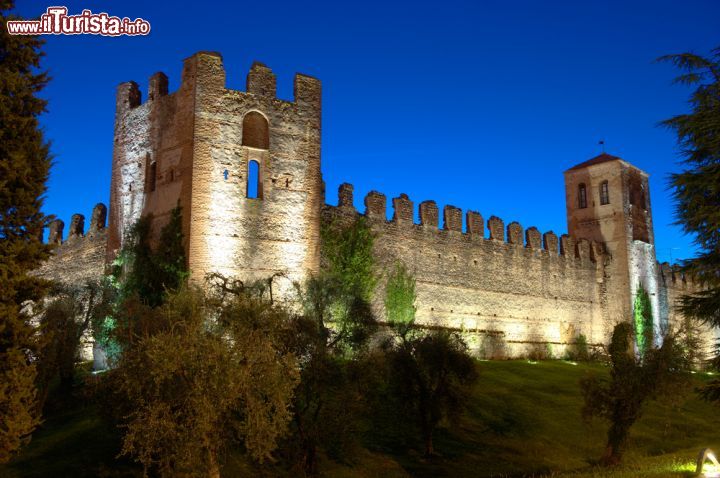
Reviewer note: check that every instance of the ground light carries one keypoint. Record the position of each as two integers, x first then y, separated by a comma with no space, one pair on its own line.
704,469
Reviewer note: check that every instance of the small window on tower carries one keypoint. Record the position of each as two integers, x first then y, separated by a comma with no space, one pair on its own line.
604,194
254,189
582,196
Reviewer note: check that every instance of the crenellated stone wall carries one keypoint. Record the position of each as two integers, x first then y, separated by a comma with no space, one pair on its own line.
79,257
515,283
526,287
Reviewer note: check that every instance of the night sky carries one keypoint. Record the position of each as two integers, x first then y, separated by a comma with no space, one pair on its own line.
478,104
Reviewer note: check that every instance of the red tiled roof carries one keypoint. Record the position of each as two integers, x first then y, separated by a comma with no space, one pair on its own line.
601,158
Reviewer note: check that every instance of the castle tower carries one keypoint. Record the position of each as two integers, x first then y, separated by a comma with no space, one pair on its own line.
244,167
608,200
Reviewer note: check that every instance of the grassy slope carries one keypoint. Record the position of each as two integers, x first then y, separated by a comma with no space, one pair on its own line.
524,420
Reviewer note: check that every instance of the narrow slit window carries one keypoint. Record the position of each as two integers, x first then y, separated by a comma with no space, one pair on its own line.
152,177
582,196
253,182
604,194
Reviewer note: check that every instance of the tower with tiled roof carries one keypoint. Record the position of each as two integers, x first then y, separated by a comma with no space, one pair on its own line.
607,200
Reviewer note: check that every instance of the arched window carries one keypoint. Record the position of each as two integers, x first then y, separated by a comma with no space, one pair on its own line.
604,193
255,131
582,196
254,188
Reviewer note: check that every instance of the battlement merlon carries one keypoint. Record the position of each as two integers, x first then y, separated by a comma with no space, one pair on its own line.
205,72
77,226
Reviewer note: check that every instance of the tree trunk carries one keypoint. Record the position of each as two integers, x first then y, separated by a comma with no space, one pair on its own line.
429,449
617,435
610,457
213,466
310,460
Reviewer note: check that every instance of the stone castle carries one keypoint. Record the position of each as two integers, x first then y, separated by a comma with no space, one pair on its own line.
245,168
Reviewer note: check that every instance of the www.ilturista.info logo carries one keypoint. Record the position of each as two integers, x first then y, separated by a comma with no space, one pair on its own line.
56,21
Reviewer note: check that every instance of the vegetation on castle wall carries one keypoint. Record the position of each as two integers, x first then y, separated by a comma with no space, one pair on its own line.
141,275
643,321
348,253
151,271
400,299
24,168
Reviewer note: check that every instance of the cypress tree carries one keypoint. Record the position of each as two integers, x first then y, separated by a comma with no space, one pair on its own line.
24,168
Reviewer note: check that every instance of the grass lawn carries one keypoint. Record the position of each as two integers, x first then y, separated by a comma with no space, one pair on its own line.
524,420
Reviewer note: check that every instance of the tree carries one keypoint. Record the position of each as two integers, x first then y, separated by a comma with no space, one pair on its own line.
141,275
211,376
697,187
660,373
63,322
347,250
150,271
432,375
24,168
330,338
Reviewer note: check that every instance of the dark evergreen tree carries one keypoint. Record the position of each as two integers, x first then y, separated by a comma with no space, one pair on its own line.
697,187
24,168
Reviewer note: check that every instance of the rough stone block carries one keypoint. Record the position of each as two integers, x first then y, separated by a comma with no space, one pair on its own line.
550,242
429,214
77,226
532,238
583,249
307,90
55,235
666,271
128,96
474,224
567,246
261,80
515,233
345,196
403,209
97,220
497,228
597,251
158,86
452,218
375,205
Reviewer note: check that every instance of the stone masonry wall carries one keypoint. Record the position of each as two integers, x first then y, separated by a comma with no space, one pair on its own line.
277,232
79,258
514,284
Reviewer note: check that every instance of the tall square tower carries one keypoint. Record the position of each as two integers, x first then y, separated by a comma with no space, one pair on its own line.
243,165
608,200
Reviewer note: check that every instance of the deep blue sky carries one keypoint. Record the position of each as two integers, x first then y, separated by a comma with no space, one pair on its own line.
479,104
